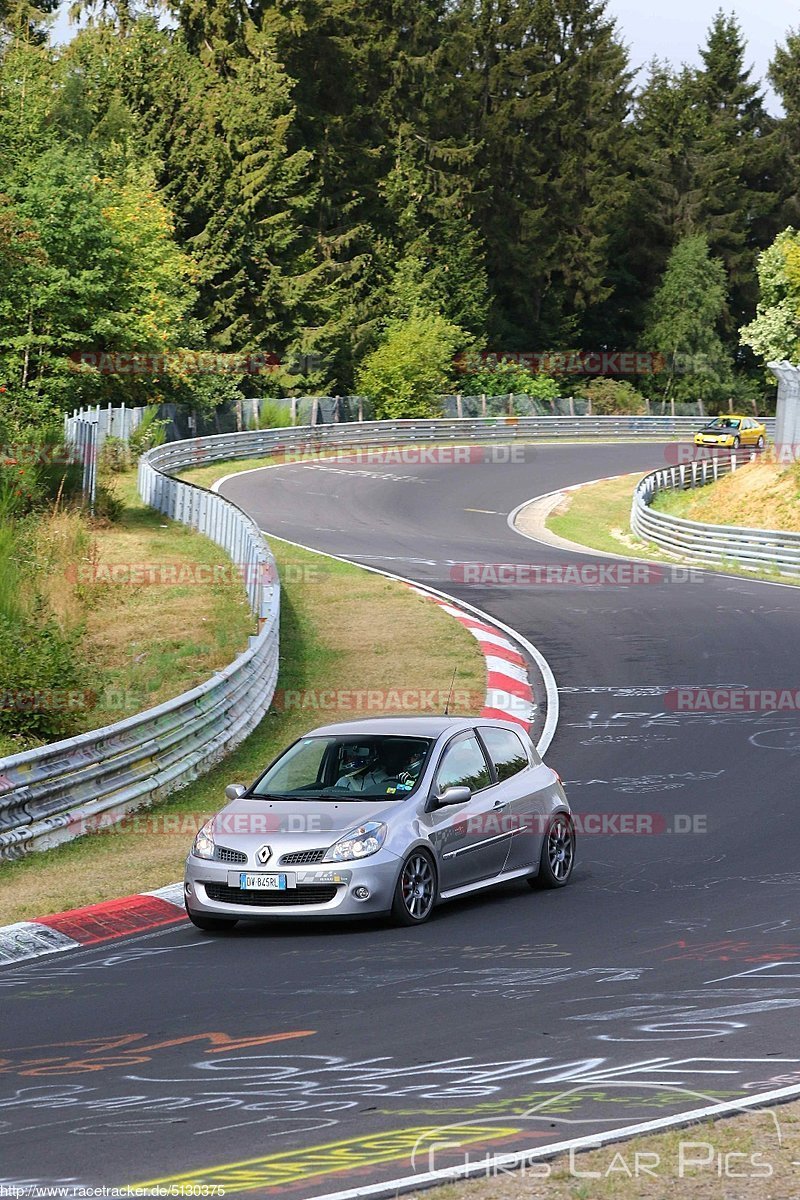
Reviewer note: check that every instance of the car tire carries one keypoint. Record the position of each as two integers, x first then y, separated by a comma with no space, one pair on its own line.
415,891
760,442
210,924
558,853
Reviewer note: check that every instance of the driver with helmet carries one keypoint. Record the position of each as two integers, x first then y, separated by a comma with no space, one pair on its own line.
394,767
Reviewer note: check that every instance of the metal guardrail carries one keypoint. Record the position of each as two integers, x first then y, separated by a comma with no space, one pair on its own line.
313,439
107,420
758,548
53,793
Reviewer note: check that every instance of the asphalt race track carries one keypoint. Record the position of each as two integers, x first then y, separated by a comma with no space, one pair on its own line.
300,1061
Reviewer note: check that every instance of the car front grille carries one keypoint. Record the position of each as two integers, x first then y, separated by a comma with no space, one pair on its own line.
301,857
223,854
261,899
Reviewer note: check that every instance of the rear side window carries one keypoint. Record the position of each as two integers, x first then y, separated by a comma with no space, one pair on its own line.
506,751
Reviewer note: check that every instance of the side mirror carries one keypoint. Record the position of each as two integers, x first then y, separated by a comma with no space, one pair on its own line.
453,795
234,790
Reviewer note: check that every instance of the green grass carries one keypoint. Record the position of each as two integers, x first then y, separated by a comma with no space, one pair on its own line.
598,515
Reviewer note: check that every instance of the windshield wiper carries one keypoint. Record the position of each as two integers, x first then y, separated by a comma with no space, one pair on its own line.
271,796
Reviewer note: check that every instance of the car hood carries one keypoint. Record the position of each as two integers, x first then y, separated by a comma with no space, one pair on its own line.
315,820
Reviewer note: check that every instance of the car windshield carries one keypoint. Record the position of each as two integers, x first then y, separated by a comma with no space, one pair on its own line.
346,768
723,423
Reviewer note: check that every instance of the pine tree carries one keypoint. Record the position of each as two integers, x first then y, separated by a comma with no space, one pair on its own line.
707,164
735,183
550,93
665,134
377,105
684,319
784,74
215,120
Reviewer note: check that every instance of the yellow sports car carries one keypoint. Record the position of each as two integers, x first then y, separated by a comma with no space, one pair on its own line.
733,431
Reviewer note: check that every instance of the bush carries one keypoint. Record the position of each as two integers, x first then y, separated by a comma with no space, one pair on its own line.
412,366
10,598
115,457
35,471
274,413
39,679
609,396
20,487
508,377
148,433
108,507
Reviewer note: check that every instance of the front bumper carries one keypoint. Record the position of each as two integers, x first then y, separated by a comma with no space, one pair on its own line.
324,890
700,440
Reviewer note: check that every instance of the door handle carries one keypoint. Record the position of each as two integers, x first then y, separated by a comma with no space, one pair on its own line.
498,804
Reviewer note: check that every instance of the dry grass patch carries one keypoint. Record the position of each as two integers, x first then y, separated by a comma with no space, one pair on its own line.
761,495
146,642
139,643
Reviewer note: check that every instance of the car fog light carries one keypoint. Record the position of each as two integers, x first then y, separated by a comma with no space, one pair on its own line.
361,893
187,887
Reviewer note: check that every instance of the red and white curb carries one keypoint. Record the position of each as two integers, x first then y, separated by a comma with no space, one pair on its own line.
509,694
92,925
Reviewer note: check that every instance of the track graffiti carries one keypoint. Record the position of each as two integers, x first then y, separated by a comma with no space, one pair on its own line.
120,1053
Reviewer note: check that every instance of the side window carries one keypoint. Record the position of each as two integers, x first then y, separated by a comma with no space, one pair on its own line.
463,765
506,751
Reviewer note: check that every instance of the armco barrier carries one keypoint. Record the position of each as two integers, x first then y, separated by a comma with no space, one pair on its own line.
46,794
757,548
317,438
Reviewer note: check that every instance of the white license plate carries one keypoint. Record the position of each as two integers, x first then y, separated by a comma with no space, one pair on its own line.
250,882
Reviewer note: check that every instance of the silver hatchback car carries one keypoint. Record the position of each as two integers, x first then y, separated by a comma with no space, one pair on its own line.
386,815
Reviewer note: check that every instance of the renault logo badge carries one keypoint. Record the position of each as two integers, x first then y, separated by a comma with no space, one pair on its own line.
264,854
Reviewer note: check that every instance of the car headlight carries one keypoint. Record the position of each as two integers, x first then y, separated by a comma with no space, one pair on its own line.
203,846
358,843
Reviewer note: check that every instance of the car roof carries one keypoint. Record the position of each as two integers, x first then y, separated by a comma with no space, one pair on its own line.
734,417
432,727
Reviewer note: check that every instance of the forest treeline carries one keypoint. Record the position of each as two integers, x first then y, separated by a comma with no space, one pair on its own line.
316,180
